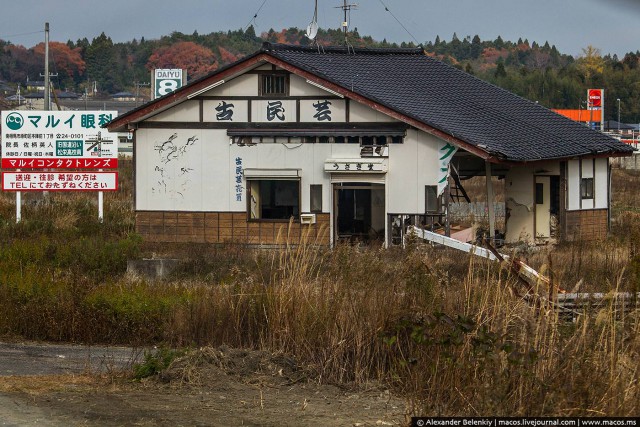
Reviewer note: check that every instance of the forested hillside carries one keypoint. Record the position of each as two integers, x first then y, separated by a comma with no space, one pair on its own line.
534,71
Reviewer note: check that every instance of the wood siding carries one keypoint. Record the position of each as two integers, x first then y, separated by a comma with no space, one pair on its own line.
226,227
589,224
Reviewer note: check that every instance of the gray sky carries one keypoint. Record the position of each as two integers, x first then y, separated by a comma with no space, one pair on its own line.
613,26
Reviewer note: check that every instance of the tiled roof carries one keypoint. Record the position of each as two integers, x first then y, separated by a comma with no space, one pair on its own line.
440,96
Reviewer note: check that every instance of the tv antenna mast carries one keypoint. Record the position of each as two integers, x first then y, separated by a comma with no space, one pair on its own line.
312,28
346,8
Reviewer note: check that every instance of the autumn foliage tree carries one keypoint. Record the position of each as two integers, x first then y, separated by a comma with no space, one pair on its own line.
67,62
196,59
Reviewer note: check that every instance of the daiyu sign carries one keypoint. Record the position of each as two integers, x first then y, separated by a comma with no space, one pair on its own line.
166,81
35,136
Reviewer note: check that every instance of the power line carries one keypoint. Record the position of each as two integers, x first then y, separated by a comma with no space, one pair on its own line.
398,21
20,34
255,15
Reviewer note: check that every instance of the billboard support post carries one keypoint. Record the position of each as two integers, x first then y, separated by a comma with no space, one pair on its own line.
18,205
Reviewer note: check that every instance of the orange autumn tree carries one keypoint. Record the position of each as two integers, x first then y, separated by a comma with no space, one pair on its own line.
196,59
67,62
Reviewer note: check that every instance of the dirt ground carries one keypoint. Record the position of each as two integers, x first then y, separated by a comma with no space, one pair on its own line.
207,387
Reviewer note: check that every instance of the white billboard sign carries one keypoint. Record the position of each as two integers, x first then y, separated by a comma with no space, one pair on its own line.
58,135
166,81
59,181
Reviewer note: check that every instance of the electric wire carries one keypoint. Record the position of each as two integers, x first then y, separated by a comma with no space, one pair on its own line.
20,34
398,21
255,15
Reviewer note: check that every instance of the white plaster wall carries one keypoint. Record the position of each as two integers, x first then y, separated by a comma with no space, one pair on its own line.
600,183
573,185
298,86
362,113
188,111
412,165
194,178
207,182
244,85
519,197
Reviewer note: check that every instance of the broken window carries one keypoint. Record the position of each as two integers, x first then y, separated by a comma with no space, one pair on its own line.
539,193
586,188
431,199
316,198
273,199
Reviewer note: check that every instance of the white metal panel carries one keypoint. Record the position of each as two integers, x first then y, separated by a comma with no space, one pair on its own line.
412,165
601,183
188,111
573,185
587,168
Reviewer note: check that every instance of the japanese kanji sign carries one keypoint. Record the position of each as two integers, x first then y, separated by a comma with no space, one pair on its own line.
57,135
59,181
445,154
355,165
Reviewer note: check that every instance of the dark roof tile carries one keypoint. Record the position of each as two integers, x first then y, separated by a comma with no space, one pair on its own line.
452,101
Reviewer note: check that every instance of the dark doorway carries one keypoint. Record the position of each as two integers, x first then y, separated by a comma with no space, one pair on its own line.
359,212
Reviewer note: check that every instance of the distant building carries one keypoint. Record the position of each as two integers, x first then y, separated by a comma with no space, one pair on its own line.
59,94
123,96
35,85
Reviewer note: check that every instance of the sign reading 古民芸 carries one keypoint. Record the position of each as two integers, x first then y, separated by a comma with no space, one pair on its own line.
58,134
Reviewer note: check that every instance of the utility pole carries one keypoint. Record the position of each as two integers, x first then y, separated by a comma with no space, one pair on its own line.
47,75
138,85
46,67
346,8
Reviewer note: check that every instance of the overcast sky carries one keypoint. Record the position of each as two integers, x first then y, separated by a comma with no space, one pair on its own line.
613,26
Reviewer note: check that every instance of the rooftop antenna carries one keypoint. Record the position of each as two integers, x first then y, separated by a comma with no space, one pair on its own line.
312,28
346,8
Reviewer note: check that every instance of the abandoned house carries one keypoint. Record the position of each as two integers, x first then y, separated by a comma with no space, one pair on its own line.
356,142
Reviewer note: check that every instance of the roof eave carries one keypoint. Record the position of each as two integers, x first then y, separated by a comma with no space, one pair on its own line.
129,119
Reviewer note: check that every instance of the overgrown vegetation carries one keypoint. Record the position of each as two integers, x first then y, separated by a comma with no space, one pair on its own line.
534,70
446,330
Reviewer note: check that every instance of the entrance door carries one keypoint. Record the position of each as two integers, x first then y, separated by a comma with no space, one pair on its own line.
359,212
543,206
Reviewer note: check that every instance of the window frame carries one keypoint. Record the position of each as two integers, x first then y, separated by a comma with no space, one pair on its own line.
587,193
273,74
317,190
295,217
438,200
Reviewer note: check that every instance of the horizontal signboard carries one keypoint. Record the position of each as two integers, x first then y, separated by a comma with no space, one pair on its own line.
58,134
355,166
34,163
60,181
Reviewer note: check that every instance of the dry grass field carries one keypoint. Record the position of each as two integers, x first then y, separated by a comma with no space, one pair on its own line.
448,332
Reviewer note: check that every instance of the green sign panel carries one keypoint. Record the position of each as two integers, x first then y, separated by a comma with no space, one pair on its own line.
69,147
